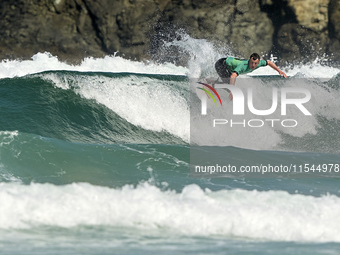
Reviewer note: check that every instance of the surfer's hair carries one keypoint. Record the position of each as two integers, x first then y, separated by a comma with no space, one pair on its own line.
254,56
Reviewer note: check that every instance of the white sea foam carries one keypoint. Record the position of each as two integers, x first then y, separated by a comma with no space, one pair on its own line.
46,62
312,70
271,215
7,137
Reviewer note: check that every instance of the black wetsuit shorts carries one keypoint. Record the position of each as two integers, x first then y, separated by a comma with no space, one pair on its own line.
223,70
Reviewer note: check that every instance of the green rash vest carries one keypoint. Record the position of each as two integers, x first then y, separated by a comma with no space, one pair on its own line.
240,66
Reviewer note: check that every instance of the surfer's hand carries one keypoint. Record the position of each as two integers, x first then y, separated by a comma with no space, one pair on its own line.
282,74
231,96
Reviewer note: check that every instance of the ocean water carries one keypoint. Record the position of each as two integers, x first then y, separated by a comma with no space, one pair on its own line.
95,159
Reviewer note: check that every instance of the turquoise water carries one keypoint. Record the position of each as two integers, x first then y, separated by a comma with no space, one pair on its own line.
98,162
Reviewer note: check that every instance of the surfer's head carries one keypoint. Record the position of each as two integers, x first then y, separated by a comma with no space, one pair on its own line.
254,60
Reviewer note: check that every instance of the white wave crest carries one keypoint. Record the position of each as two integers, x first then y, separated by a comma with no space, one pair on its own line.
270,215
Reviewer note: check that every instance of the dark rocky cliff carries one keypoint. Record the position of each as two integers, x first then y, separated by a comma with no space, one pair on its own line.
74,29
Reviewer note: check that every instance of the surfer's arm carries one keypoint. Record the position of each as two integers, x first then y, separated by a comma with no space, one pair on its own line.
272,65
232,82
233,78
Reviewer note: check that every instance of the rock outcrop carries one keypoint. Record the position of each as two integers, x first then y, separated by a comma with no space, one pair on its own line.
73,29
307,37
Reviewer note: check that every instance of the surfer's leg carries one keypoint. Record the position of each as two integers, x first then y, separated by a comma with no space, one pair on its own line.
222,70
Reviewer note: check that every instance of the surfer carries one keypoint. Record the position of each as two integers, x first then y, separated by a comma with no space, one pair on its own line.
229,68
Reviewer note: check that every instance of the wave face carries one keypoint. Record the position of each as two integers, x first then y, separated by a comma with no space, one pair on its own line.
97,107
